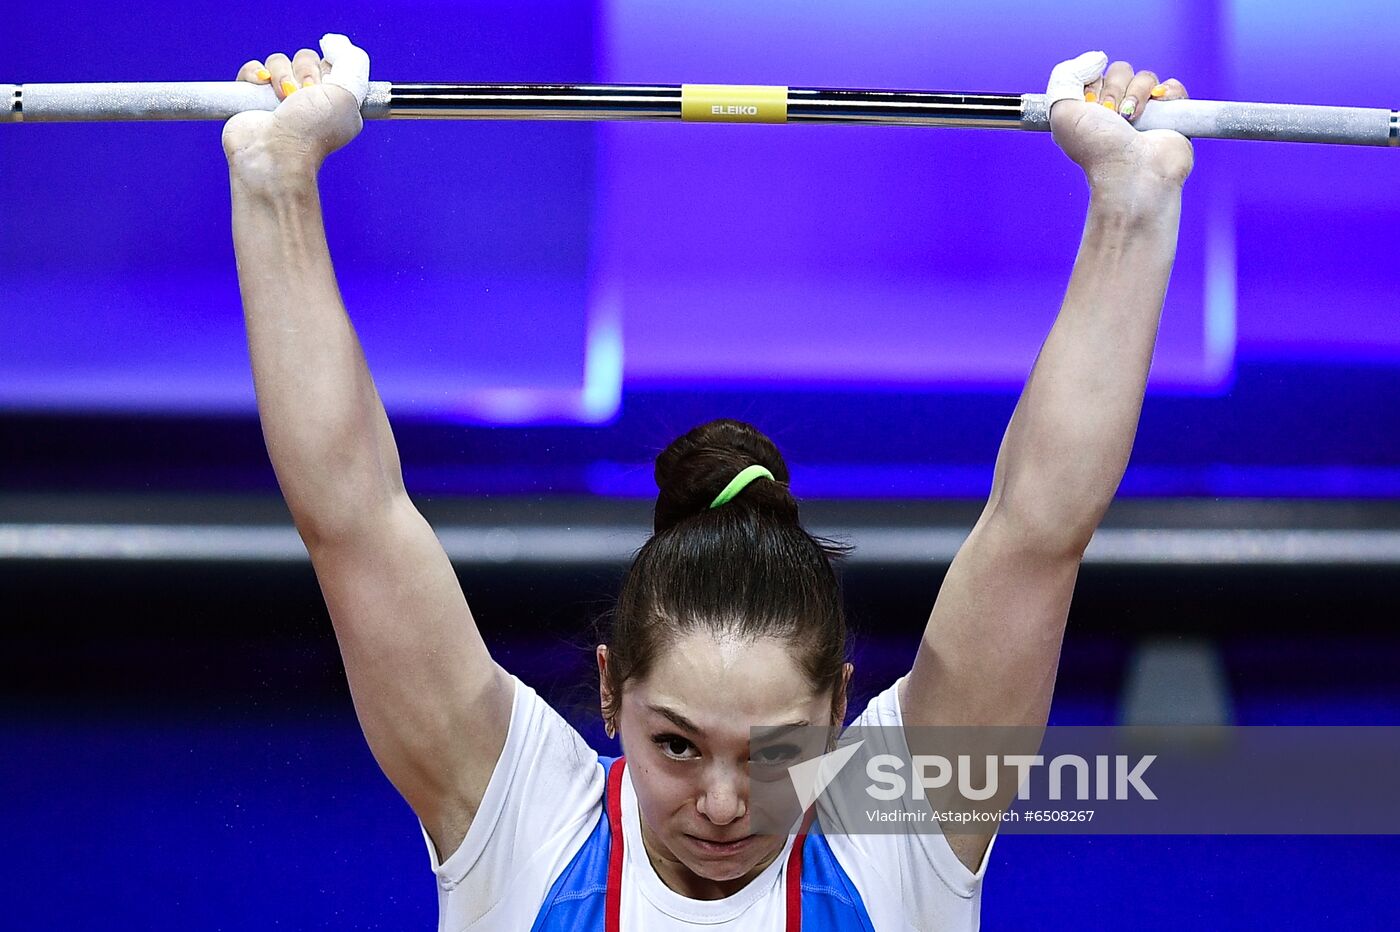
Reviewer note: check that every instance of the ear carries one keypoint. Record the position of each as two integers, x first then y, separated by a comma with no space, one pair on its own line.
838,703
606,703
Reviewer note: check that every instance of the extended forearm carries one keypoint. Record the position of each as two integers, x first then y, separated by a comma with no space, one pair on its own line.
325,428
1068,443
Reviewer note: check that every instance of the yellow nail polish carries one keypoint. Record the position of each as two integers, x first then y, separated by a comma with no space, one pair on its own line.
264,74
1159,90
1108,104
1090,97
288,86
308,82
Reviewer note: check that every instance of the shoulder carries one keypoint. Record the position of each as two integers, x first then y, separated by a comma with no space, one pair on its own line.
908,879
540,806
543,757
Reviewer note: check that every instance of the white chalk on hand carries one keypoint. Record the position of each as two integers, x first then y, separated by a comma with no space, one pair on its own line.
1068,78
349,64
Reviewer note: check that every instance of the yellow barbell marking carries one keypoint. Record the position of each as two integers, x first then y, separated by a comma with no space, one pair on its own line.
733,103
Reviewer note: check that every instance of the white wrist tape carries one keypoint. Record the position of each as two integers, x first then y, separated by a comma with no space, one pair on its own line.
349,64
1067,79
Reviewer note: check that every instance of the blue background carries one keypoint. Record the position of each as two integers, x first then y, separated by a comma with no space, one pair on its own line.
549,275
544,305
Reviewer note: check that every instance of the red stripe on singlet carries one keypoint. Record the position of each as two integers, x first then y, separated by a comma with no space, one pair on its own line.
613,903
794,877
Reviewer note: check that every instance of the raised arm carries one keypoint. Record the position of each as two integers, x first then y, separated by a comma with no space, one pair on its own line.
433,704
990,651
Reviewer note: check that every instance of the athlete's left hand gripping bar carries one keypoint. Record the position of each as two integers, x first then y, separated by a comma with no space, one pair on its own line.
185,100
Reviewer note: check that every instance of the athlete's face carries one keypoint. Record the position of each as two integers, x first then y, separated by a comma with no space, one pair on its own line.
685,729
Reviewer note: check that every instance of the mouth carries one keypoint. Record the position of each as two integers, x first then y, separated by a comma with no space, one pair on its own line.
721,848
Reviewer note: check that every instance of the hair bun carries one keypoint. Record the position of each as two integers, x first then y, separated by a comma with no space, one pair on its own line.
696,467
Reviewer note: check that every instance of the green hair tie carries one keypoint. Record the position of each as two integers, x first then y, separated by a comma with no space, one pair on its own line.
739,483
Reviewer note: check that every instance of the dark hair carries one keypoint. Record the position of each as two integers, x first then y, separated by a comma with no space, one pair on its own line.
745,569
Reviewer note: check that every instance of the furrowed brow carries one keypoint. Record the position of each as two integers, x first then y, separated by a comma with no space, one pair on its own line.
680,721
771,732
677,719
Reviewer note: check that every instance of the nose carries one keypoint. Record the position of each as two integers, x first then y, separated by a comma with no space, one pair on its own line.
724,798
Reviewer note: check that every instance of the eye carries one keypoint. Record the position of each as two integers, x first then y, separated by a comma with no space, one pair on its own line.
674,746
776,754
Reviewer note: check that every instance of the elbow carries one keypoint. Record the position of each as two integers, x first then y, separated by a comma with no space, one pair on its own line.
338,490
1048,532
344,515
